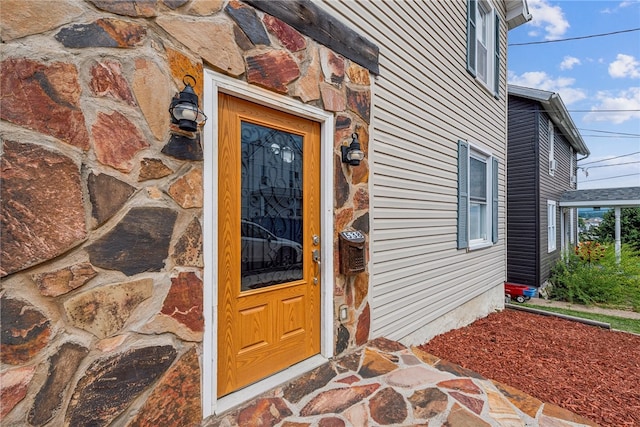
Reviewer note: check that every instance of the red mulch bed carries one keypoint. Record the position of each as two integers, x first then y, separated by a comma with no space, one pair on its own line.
590,371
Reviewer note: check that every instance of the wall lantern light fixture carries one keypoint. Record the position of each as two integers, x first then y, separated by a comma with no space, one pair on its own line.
184,107
352,154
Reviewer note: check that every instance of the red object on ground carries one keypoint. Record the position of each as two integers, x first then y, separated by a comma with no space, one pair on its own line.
518,292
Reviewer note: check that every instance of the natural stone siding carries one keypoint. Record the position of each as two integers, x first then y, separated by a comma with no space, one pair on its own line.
104,310
101,213
59,282
175,400
43,98
108,385
62,366
42,205
108,195
13,387
138,243
25,331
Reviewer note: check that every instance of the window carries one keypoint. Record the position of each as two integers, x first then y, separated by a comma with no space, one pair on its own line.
551,225
477,198
483,44
552,156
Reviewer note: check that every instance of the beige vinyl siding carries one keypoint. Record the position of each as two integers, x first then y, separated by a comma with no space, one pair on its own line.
424,102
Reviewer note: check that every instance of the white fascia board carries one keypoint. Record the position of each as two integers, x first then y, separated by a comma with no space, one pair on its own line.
601,204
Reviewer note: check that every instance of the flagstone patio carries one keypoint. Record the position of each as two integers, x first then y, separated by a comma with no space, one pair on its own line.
388,384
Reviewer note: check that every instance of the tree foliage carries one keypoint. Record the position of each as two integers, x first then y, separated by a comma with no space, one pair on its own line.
629,227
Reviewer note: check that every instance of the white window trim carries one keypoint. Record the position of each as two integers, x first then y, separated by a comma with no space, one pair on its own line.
486,241
213,84
488,157
552,229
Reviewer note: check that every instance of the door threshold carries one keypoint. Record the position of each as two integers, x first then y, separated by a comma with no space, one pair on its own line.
251,391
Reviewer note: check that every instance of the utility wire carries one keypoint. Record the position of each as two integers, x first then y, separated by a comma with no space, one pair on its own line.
602,111
608,166
576,38
606,131
610,158
612,177
611,136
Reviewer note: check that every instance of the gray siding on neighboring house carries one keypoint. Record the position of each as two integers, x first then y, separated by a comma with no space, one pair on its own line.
522,192
424,102
551,188
531,186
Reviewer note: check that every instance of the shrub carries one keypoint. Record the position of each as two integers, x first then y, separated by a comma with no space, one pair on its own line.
629,227
592,276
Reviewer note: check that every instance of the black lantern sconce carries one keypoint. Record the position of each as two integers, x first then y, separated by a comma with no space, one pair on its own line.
184,108
352,154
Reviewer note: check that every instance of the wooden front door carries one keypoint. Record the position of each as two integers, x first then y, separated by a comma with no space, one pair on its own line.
268,235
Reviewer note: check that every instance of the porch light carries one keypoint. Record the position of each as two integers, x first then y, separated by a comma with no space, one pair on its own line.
184,108
352,154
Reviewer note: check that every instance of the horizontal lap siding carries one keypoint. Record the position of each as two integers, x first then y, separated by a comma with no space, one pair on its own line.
522,193
424,101
551,188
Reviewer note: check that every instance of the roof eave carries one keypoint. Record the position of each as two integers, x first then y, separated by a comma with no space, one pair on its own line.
566,122
555,108
517,13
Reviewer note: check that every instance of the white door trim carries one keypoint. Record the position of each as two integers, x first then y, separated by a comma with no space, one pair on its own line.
214,83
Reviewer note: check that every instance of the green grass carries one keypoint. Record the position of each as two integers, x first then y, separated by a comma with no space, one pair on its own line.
619,323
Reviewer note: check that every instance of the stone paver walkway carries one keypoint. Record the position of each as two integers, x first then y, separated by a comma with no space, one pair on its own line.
388,384
540,302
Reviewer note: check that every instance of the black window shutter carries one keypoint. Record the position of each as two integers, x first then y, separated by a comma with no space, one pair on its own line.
471,37
496,87
494,197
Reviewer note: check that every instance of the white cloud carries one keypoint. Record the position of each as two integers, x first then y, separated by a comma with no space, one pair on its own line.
628,3
543,81
621,5
625,66
619,107
569,62
550,18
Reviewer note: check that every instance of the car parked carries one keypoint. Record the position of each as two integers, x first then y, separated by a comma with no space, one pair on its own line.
261,249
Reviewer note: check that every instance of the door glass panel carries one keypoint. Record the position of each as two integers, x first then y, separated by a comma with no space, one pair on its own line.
271,207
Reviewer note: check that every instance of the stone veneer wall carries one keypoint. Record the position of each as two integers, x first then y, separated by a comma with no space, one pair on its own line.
102,266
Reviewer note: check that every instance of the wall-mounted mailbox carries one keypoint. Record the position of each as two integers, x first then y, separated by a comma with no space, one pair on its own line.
351,252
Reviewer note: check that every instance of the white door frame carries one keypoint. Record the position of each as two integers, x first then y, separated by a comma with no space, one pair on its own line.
214,83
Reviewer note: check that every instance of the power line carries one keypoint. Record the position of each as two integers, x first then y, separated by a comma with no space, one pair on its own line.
613,177
576,38
610,158
613,133
608,166
611,136
603,111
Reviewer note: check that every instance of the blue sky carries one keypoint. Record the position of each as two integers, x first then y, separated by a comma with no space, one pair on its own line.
591,75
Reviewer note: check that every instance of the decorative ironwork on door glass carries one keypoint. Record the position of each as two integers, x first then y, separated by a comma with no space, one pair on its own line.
271,206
